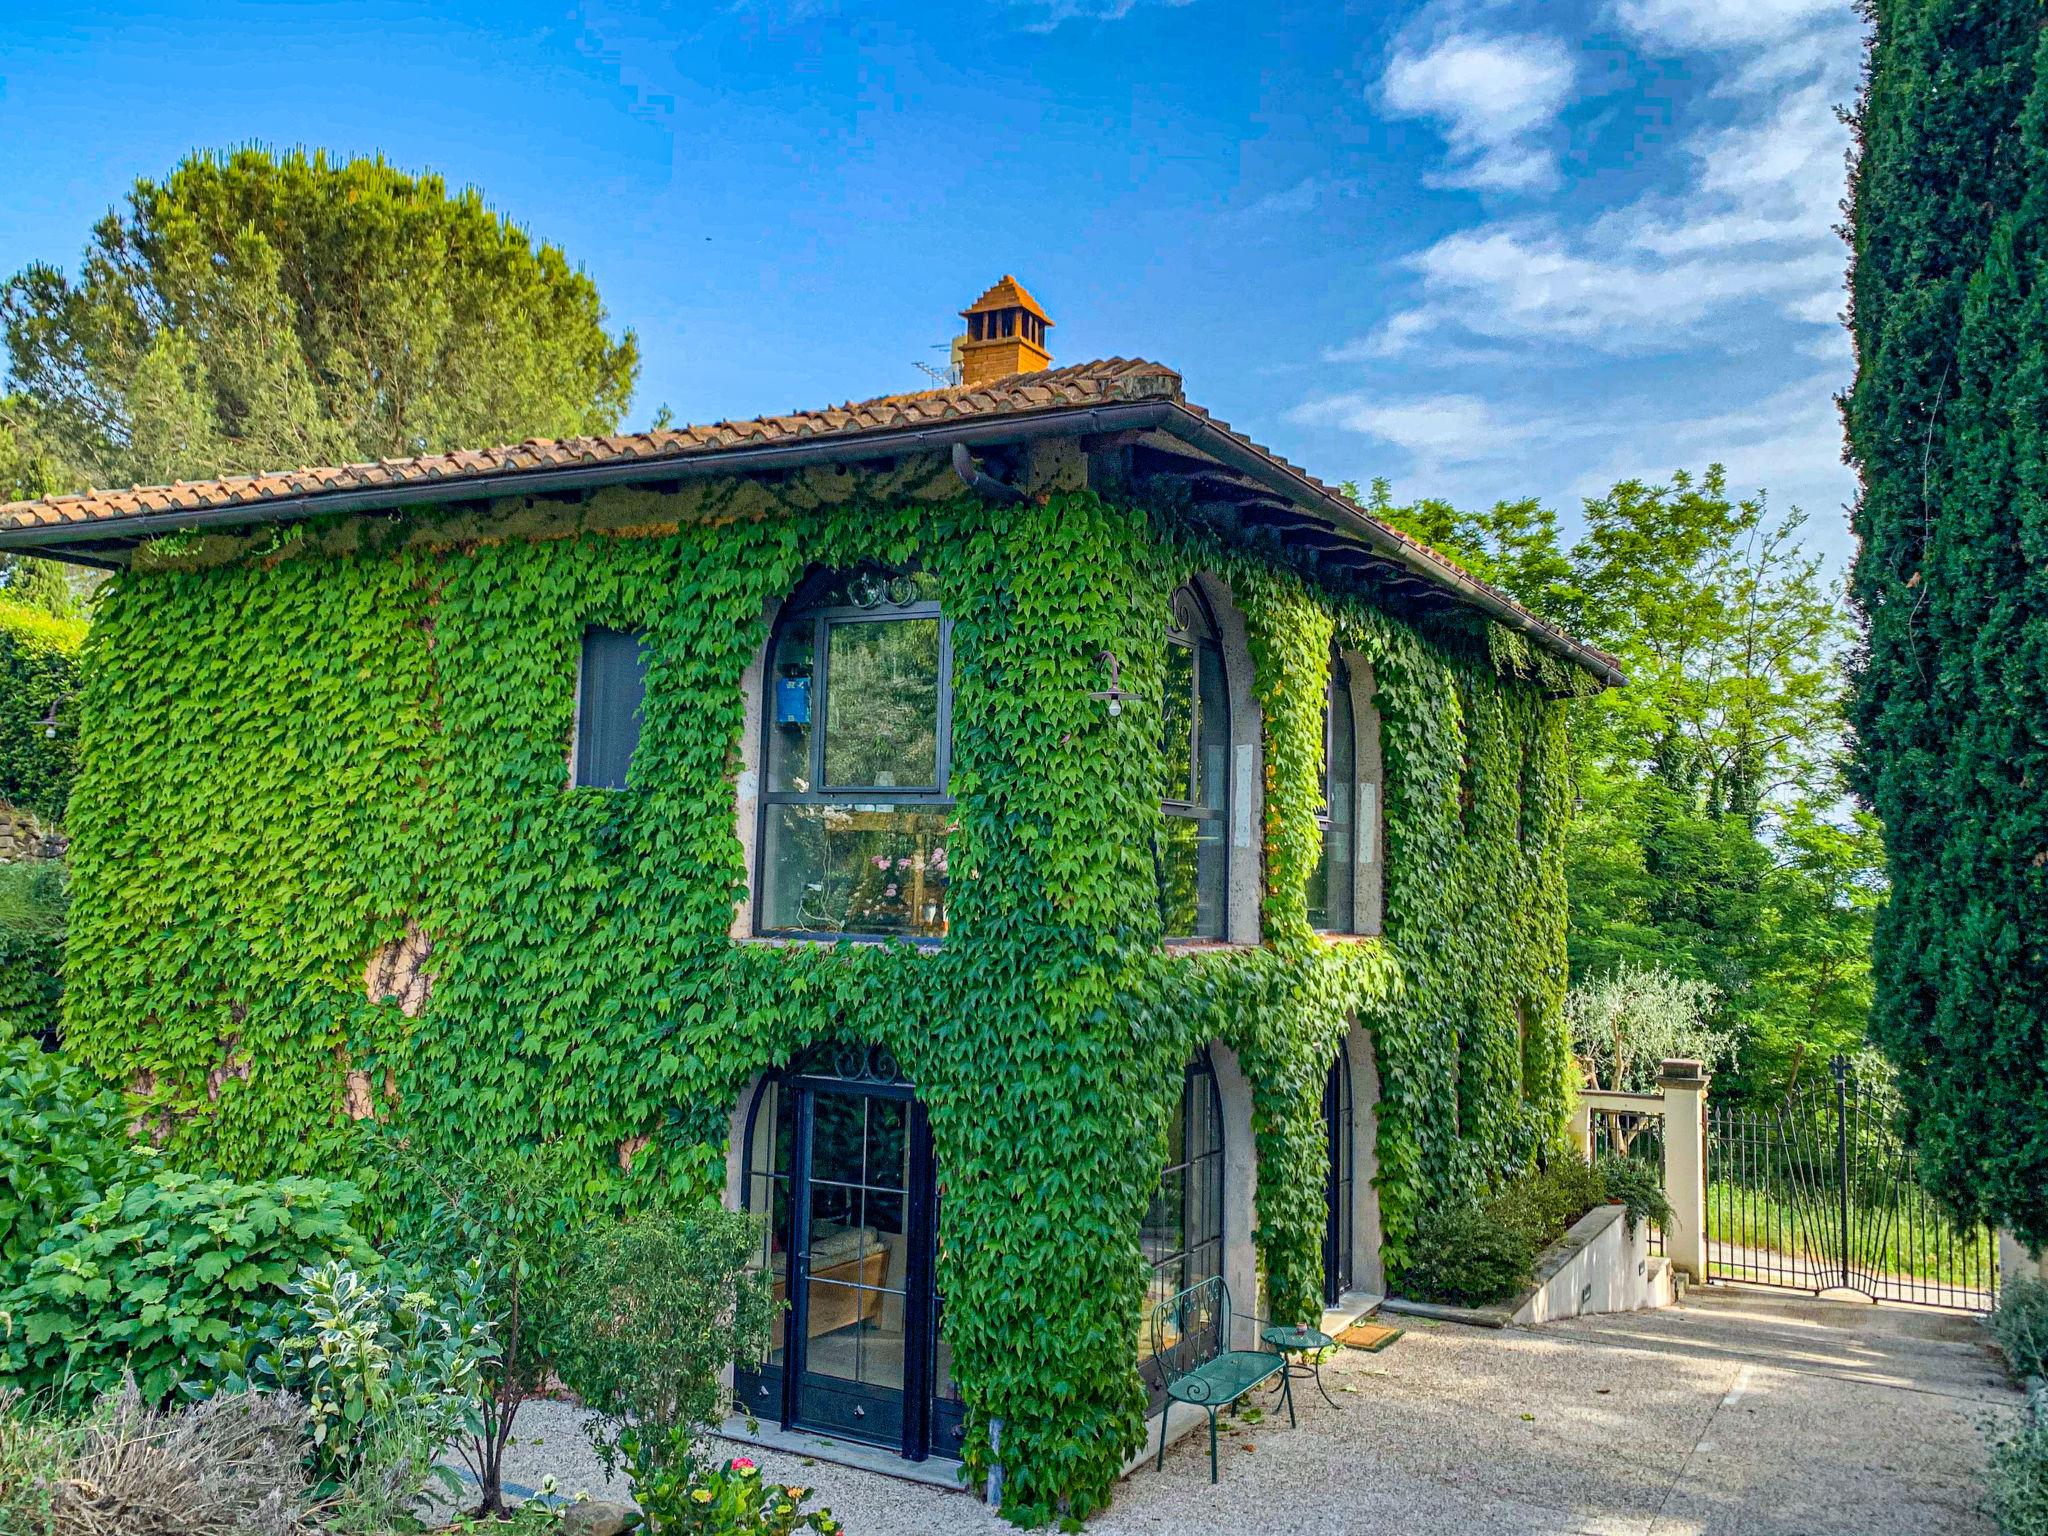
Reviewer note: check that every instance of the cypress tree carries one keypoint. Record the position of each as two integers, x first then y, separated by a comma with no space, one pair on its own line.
1950,314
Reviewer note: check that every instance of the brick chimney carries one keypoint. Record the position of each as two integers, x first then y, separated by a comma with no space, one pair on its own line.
1005,335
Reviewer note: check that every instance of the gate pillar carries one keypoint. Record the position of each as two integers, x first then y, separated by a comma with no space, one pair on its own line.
1684,1085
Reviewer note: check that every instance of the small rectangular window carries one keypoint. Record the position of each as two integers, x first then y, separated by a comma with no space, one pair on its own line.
608,709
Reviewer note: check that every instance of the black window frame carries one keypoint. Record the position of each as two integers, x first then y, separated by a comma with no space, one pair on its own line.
806,606
1211,1164
1189,613
581,738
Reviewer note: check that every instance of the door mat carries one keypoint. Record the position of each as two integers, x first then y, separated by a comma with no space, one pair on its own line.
1371,1337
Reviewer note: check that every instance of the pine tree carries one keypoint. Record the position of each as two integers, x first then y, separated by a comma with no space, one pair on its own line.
255,312
1949,195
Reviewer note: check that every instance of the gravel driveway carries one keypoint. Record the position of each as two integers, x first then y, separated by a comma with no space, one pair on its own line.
1741,1411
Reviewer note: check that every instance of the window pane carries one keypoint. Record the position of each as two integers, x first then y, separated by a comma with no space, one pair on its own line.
609,703
1214,753
1177,726
1191,870
790,702
882,719
835,869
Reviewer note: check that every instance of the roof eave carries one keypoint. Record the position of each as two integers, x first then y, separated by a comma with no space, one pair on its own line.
69,541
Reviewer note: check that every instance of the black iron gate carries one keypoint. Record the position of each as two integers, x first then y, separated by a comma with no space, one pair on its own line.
1818,1193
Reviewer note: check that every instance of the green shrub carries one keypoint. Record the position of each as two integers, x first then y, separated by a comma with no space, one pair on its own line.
34,899
1542,1205
659,1307
63,1141
2018,1475
388,1370
160,1272
38,670
519,1216
1638,1185
720,1501
2020,1325
1464,1255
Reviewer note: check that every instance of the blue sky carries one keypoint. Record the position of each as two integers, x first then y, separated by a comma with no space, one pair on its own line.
1485,250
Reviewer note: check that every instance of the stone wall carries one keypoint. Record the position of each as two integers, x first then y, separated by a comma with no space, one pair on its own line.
23,838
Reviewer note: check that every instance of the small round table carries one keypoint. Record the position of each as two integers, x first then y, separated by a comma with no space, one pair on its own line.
1301,1340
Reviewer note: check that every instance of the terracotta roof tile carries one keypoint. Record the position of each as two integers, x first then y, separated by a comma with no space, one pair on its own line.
1083,384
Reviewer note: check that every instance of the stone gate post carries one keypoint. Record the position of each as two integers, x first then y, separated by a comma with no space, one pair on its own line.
1684,1085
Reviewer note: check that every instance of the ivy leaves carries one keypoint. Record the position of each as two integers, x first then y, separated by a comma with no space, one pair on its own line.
368,735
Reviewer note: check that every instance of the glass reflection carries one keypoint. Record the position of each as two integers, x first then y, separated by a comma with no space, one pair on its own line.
834,869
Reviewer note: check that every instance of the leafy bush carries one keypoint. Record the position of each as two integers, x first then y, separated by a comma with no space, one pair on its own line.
34,900
517,1215
2020,1325
1476,1254
63,1141
2018,1475
38,669
660,1306
1464,1255
229,1466
1543,1204
389,1373
157,1273
1636,1184
719,1501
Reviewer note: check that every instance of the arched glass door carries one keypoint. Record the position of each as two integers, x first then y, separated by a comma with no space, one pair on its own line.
1339,1129
839,1156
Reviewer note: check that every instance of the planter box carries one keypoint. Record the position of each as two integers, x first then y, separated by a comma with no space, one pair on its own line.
1598,1266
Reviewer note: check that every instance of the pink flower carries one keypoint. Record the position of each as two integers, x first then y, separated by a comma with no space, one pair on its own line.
740,1464
904,863
881,861
890,892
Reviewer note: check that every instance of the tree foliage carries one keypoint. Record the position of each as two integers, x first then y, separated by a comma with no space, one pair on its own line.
1711,839
1626,1023
1950,312
255,311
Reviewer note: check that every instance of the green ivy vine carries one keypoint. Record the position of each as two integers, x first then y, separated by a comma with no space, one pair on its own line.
300,748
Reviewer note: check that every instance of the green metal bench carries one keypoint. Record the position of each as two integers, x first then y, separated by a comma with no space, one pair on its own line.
1191,1341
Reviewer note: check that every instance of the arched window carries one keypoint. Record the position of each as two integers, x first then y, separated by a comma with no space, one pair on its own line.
858,733
1182,1236
1344,888
1194,841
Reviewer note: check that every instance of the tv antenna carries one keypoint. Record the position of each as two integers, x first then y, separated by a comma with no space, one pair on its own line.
947,377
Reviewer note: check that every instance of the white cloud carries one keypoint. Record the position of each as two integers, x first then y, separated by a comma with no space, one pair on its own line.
1754,226
1726,23
1789,443
1051,13
1776,39
1494,97
1437,429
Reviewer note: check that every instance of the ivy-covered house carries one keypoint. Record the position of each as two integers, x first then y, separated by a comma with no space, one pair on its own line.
1032,843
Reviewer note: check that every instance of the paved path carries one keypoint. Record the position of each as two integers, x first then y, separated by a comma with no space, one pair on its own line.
1740,1412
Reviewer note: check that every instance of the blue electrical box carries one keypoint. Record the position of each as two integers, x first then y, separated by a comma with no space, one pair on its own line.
792,701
